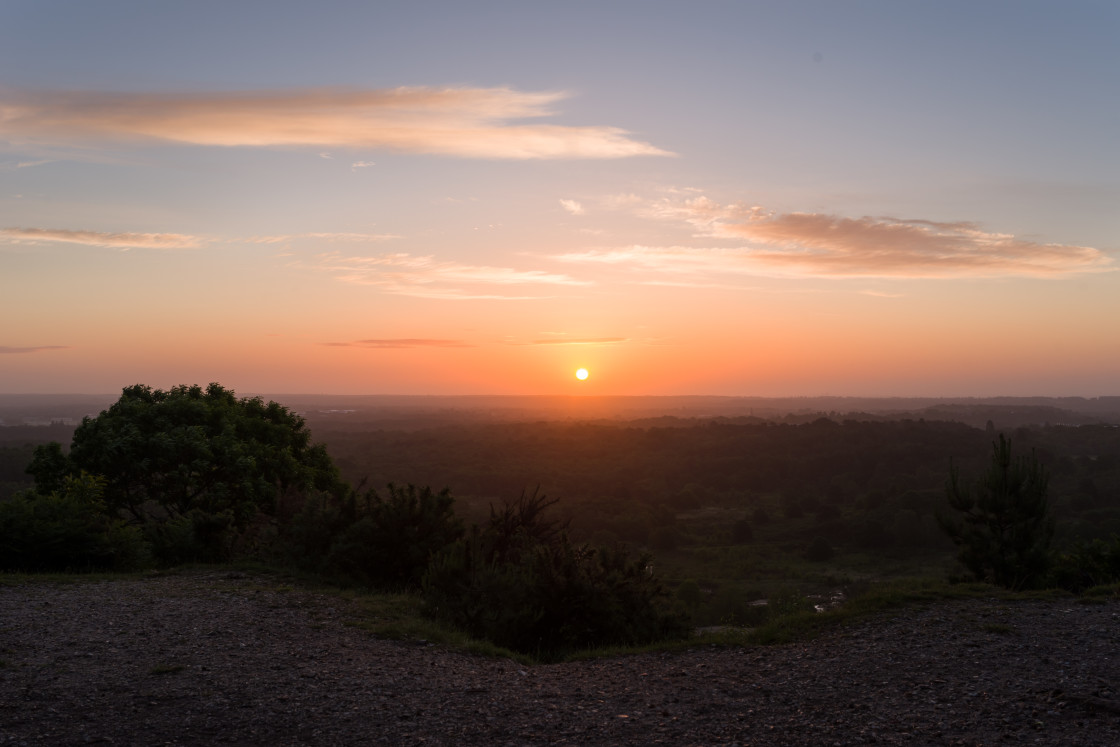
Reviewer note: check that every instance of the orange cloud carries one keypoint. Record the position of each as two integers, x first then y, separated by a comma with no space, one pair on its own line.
816,244
97,238
466,122
426,277
324,236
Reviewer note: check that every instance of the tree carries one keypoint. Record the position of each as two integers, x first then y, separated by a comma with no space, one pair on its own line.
1004,527
191,454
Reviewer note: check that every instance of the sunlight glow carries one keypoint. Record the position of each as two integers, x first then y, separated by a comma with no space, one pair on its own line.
582,374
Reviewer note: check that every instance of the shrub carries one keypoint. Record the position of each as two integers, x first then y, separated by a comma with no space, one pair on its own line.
520,583
393,539
819,550
69,529
368,540
1087,565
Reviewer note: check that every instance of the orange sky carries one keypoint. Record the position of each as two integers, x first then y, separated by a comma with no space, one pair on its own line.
871,200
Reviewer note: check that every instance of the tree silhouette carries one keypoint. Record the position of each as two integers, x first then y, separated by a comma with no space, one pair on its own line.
1004,527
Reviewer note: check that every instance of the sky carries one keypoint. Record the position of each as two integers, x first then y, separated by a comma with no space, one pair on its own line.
733,198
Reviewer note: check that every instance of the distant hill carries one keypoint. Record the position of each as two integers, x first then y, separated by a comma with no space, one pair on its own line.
401,412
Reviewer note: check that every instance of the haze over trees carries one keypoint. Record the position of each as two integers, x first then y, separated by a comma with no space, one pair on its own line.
195,474
736,510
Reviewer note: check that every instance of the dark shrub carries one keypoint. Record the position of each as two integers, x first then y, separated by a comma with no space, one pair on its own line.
67,530
393,539
1095,563
520,583
819,550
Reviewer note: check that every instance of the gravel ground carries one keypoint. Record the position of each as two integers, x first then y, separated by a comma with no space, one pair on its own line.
208,658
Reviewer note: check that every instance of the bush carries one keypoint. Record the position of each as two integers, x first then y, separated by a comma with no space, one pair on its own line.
819,551
742,532
1087,565
519,582
369,540
69,529
391,543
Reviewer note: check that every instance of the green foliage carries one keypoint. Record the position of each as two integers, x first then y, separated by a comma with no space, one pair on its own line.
819,550
66,530
197,537
369,540
191,448
742,532
194,466
689,593
1088,564
521,583
391,542
1004,530
50,467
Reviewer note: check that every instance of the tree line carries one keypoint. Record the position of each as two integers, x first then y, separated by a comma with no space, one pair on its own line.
199,475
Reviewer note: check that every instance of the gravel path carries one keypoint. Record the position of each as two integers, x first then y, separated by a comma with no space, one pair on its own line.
211,658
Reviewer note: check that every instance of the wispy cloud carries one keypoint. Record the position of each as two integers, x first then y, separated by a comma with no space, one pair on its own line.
572,206
427,277
669,259
823,245
9,165
6,350
401,342
98,238
466,122
362,165
583,341
321,236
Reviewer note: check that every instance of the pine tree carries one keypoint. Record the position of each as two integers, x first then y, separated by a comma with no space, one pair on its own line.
1004,527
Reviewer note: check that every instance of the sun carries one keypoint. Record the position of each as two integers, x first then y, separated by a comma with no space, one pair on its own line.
582,374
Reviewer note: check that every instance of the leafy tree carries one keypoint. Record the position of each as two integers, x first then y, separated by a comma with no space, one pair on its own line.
1004,527
191,457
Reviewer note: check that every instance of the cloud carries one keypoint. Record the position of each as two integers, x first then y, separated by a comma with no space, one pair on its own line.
402,342
584,341
6,350
362,165
98,238
572,207
322,236
668,259
823,245
427,277
464,122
